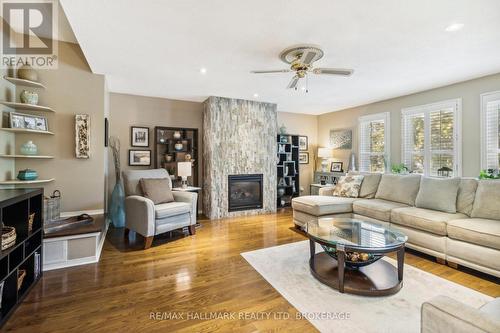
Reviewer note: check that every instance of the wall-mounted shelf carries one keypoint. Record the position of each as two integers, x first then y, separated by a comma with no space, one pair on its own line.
24,130
25,106
22,182
26,156
22,82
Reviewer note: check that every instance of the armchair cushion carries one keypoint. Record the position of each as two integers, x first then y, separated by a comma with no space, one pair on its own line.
131,179
158,190
171,209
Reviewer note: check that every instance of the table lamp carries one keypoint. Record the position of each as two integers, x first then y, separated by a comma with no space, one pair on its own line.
325,154
184,171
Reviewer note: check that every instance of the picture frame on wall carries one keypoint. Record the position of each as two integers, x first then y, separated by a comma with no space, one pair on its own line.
336,167
139,157
139,136
303,143
28,121
303,158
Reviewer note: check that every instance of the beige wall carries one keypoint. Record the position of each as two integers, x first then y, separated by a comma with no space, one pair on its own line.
71,89
7,140
307,125
132,110
469,91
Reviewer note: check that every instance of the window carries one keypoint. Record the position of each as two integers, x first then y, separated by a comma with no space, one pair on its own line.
431,139
374,142
490,130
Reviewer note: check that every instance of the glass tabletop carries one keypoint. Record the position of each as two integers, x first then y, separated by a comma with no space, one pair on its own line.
354,233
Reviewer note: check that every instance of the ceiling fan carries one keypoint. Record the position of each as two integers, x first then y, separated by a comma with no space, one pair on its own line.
301,58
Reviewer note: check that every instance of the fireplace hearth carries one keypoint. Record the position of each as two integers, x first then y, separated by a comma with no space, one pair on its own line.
244,192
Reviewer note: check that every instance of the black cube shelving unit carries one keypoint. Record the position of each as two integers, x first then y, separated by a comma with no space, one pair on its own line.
16,205
287,168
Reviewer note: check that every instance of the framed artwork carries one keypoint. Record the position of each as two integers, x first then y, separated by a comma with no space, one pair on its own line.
303,158
336,167
139,157
303,143
82,136
341,139
139,136
28,121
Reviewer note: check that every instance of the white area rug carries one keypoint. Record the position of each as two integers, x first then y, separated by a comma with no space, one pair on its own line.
286,268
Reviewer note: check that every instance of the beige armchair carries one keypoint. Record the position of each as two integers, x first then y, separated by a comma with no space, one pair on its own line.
443,314
148,219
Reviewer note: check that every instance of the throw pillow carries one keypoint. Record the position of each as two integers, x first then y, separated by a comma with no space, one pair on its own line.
466,195
369,185
348,186
399,188
486,204
438,194
157,189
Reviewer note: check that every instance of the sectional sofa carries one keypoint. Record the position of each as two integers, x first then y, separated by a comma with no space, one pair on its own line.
455,220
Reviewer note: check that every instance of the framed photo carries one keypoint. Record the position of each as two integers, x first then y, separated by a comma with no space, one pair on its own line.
139,157
303,143
336,167
303,158
139,136
28,121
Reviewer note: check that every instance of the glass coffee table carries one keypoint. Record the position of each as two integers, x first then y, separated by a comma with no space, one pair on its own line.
351,259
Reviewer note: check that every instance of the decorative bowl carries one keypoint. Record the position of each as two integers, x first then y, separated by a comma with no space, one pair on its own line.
27,174
332,252
29,148
178,146
29,97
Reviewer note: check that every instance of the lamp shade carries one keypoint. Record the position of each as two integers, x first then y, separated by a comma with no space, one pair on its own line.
325,152
184,169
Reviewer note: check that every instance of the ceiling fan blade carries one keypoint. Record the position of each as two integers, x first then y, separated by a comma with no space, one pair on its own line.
308,57
271,71
333,71
293,82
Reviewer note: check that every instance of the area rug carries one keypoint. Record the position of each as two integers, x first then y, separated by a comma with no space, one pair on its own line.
286,268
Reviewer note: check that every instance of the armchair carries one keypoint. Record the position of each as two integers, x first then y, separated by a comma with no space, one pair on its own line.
148,219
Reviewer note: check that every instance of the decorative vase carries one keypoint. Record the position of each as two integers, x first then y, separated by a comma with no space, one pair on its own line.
282,129
29,97
283,139
187,157
29,148
177,135
281,192
26,72
178,146
116,206
168,158
27,174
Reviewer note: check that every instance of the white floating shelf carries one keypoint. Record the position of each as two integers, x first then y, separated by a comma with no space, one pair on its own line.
22,182
22,82
24,130
25,106
26,156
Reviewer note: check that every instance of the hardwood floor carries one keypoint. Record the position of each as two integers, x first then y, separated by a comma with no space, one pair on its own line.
183,275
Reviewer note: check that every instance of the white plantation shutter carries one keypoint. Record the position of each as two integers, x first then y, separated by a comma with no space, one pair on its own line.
431,138
374,131
490,130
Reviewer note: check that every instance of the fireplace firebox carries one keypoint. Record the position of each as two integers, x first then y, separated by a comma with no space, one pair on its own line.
244,192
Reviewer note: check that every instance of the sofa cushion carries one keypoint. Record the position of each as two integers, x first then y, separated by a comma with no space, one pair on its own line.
438,194
158,190
399,188
318,205
424,219
171,209
486,203
477,231
466,194
369,185
375,208
348,186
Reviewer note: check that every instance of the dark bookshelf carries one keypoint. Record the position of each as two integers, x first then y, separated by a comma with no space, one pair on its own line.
164,145
15,207
287,169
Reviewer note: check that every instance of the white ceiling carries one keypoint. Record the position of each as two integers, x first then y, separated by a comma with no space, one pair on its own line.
156,48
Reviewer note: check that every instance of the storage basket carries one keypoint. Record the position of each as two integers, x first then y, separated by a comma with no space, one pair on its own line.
21,274
52,206
8,237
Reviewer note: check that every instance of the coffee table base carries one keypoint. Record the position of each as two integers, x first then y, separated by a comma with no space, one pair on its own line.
377,279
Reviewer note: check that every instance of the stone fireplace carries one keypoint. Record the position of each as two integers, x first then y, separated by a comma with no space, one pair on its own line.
239,139
244,192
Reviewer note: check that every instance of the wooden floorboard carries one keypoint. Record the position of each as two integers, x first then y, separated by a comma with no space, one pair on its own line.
204,273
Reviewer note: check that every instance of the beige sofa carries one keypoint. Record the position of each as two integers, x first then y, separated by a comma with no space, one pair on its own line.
463,227
443,314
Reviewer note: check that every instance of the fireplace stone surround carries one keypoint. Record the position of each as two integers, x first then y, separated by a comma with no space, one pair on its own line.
238,139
